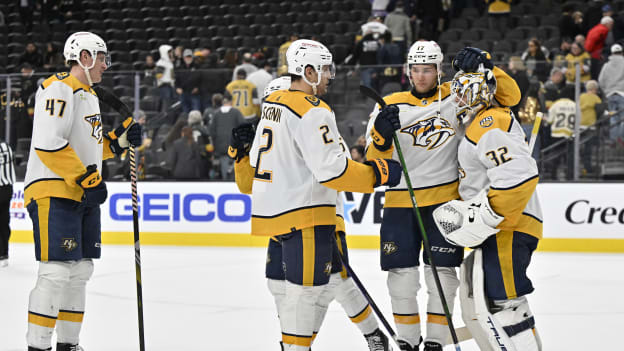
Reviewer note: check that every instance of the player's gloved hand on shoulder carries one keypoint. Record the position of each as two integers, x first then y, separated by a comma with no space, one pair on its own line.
124,135
387,171
91,182
386,122
467,223
240,141
468,59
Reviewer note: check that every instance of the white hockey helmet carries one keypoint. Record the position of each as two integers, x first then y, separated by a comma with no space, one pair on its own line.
425,52
280,83
304,52
88,41
472,92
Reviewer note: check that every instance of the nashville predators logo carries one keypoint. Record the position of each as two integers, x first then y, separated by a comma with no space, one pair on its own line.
328,267
389,247
313,100
486,122
96,124
69,244
430,133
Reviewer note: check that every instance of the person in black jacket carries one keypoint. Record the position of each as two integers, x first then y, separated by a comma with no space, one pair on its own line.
187,83
365,54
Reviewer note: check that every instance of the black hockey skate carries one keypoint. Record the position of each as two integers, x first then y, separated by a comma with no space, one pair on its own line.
432,346
377,341
30,348
68,347
405,346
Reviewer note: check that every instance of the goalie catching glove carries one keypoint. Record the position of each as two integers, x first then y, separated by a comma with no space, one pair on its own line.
91,182
387,171
468,59
467,223
386,123
127,133
240,141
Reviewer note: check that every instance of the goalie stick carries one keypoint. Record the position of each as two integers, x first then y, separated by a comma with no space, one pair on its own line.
536,126
369,92
115,103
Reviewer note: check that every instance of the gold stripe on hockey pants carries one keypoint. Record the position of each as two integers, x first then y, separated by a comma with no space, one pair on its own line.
308,242
43,212
504,243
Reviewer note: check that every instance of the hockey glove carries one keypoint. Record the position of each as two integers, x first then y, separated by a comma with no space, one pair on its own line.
467,223
91,182
387,171
468,59
124,135
386,122
240,141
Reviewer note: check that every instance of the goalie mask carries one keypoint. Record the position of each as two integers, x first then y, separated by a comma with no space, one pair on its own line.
472,92
303,53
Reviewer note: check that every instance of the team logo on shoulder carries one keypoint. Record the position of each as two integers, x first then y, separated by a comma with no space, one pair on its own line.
430,133
424,102
69,244
486,122
389,247
313,100
62,75
96,124
328,267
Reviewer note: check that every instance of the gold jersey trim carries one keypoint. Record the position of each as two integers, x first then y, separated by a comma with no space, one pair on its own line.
296,219
489,119
51,187
428,196
69,80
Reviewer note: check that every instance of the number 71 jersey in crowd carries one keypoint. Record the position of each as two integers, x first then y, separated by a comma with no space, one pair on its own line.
297,147
494,155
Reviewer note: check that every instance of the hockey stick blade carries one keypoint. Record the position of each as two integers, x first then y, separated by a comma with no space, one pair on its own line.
113,101
369,92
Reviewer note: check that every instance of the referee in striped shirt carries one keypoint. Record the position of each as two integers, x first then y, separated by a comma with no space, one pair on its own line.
7,178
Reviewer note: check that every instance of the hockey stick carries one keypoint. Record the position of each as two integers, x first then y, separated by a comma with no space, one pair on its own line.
367,296
536,126
115,103
367,91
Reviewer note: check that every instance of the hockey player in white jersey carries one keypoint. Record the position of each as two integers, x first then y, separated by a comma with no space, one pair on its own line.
298,163
341,287
63,190
499,214
429,133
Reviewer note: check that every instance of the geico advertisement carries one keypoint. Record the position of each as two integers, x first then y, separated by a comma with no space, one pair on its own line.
569,210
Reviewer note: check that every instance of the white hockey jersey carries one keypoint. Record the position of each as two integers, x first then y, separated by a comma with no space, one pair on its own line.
494,155
561,116
67,137
300,163
429,142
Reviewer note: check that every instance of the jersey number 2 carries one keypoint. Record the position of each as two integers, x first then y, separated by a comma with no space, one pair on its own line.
266,176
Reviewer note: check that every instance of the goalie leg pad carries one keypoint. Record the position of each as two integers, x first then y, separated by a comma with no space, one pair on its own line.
437,325
73,302
403,285
44,302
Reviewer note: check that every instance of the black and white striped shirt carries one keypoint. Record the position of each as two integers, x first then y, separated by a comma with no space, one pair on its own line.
7,167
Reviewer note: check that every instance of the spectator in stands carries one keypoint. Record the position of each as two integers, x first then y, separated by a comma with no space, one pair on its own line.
201,136
244,95
535,60
498,14
365,54
230,59
203,59
373,25
221,125
149,70
26,10
187,83
589,102
399,25
184,156
580,56
430,13
389,55
165,76
282,67
178,58
611,81
596,38
554,89
32,56
357,153
217,102
52,58
246,65
571,22
378,7
557,55
261,77
517,71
